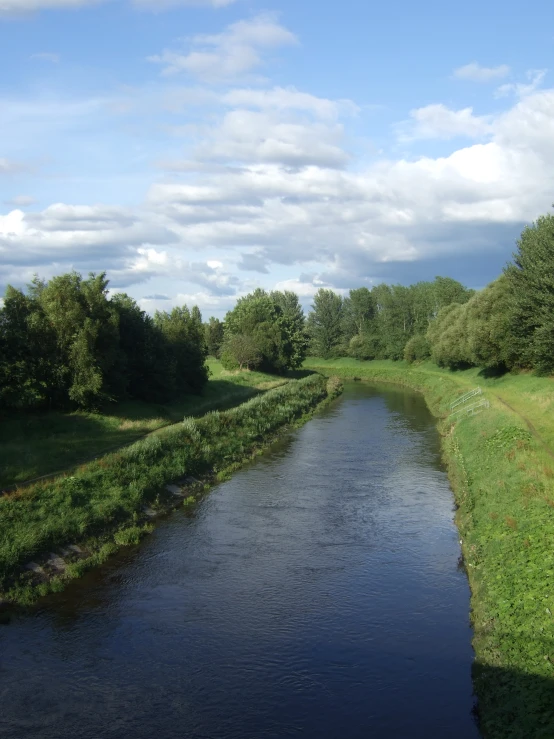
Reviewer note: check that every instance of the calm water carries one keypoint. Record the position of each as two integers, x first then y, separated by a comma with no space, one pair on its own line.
315,595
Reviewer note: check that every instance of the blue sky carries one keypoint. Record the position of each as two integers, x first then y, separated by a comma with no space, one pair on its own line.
198,149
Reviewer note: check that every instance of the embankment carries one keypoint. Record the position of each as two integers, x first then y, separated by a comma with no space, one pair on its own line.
502,472
52,531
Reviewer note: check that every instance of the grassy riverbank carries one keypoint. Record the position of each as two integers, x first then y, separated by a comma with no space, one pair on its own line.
501,465
32,445
101,505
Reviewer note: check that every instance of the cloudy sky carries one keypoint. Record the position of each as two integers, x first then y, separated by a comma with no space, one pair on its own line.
196,149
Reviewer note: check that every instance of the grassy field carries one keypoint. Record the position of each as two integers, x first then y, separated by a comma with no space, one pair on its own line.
101,505
32,445
501,465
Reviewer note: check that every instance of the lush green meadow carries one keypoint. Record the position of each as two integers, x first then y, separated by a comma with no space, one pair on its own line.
501,466
100,505
36,444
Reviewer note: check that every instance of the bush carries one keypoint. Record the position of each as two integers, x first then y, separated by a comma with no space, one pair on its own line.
417,349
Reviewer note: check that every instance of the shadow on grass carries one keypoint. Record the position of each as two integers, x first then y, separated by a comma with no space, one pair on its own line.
489,373
512,704
43,444
300,373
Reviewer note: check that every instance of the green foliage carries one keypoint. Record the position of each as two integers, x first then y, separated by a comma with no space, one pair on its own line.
417,349
241,351
270,327
507,437
65,344
531,281
214,332
325,324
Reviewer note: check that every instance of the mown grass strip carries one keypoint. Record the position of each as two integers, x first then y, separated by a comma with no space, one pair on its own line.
108,495
503,479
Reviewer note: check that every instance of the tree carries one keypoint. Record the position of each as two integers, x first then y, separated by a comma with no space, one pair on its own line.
240,351
531,280
274,325
448,337
325,324
184,335
490,325
214,332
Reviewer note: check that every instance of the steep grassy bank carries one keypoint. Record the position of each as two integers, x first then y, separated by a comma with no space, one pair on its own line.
502,470
36,444
101,505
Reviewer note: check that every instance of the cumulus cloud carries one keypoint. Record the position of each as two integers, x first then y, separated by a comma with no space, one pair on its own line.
286,99
535,79
440,122
254,136
477,73
228,55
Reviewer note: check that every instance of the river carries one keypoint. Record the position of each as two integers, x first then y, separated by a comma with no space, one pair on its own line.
316,594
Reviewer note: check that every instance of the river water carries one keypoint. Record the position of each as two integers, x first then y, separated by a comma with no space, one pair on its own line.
317,594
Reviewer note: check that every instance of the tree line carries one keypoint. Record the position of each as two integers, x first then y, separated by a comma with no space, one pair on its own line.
65,343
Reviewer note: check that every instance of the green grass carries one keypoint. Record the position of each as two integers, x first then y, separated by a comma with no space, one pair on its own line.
503,477
100,504
33,445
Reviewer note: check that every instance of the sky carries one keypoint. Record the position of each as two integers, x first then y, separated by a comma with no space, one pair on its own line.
197,149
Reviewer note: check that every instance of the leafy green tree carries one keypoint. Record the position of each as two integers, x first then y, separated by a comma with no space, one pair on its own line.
417,349
358,313
184,335
325,324
448,337
490,325
273,328
531,280
240,351
214,332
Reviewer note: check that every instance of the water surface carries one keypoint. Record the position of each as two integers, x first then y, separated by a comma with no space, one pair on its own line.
317,594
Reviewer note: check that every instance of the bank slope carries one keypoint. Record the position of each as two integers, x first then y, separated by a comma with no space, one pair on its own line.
52,531
501,465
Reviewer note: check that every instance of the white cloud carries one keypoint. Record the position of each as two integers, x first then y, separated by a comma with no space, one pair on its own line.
440,122
535,79
248,136
46,56
477,73
286,99
228,55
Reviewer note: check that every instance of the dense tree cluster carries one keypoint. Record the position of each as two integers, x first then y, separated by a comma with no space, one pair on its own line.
379,323
265,331
64,343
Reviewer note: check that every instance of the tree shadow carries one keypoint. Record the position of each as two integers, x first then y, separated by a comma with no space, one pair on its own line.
515,705
490,373
33,445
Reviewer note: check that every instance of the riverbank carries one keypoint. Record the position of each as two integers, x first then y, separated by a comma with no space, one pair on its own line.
501,466
38,444
54,530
